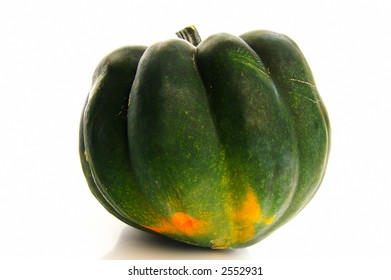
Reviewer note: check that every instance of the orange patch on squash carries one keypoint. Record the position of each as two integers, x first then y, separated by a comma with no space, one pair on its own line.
158,230
186,223
250,209
180,223
246,216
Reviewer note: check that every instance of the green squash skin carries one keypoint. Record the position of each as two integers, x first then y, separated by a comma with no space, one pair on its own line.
104,153
254,128
173,145
215,146
294,81
88,174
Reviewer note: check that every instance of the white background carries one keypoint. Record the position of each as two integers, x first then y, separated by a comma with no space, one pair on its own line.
48,52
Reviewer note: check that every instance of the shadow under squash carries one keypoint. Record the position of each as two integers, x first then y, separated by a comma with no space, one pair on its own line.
135,244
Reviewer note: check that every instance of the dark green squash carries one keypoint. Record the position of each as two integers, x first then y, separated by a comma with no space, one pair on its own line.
214,143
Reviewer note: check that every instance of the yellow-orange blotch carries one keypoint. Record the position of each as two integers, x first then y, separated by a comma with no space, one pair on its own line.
180,222
246,216
270,220
186,223
250,209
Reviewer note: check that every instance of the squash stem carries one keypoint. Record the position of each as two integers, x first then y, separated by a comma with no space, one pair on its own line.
190,34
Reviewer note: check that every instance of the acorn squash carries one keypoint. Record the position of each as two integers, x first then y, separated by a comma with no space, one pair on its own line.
215,143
